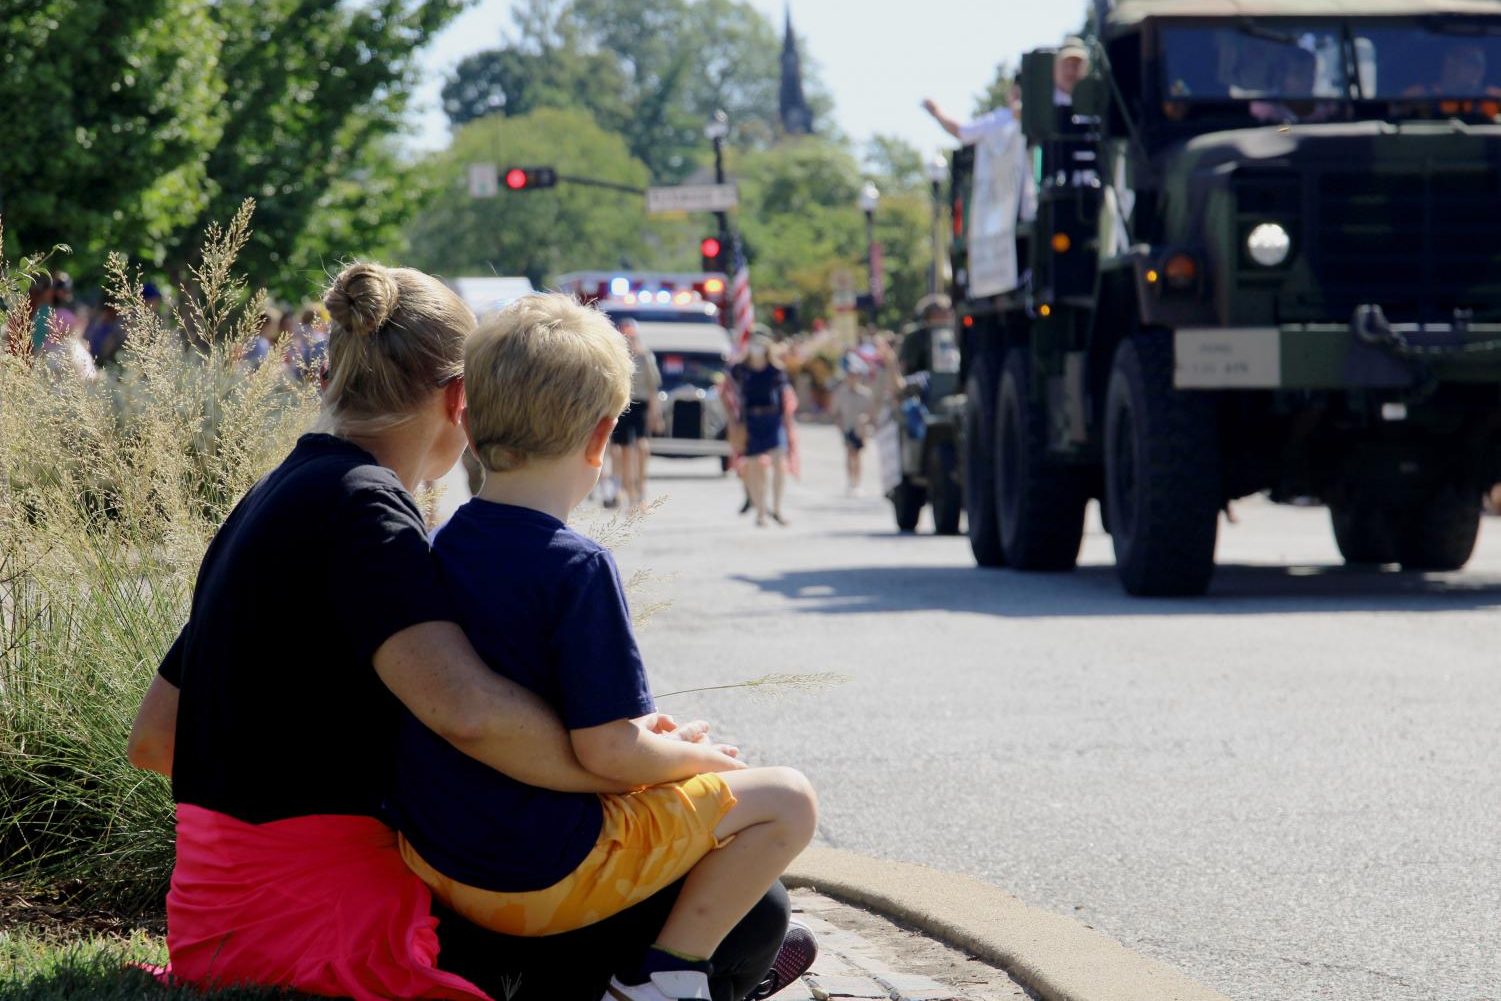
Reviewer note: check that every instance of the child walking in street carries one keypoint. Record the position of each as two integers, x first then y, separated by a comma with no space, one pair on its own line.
854,410
546,379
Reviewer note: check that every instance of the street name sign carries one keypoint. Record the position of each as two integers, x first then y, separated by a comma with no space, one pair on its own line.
484,180
692,198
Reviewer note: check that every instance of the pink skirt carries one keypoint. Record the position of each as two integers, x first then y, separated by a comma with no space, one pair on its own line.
319,904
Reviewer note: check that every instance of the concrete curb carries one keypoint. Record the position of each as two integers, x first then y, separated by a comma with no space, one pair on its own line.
1056,956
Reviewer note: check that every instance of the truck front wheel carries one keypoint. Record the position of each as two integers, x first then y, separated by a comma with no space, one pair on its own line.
908,499
1162,472
1039,504
979,468
943,488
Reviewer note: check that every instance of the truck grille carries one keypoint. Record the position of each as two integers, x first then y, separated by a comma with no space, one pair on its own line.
687,419
1422,244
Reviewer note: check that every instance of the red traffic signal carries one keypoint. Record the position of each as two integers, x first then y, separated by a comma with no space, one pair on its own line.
527,178
710,247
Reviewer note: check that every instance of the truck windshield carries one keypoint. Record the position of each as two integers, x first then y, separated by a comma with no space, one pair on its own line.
1334,60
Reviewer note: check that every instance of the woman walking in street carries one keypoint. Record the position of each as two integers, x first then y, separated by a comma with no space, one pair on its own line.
764,394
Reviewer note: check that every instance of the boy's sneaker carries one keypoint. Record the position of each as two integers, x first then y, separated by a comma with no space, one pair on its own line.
799,950
677,985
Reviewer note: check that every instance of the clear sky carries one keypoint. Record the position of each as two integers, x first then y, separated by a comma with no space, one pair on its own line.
880,58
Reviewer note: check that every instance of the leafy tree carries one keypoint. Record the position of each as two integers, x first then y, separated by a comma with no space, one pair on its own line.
802,224
110,110
131,124
312,86
534,233
651,70
897,163
999,92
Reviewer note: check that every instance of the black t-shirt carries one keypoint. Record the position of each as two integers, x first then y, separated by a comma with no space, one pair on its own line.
281,712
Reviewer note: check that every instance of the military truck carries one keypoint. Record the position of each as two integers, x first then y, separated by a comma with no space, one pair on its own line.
1265,256
925,422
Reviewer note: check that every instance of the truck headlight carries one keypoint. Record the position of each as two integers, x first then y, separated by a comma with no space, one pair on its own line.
1269,244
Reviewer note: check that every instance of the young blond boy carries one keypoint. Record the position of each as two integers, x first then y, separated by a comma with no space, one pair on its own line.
546,379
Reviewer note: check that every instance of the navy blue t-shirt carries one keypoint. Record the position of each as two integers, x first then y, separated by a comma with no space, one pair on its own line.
544,606
281,713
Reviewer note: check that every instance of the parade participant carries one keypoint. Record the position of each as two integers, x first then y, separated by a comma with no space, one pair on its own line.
545,606
763,393
854,415
1070,65
630,442
285,875
40,297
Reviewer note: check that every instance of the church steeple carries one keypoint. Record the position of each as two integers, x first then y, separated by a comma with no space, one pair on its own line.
797,117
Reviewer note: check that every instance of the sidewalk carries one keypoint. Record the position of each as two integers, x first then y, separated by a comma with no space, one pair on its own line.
865,956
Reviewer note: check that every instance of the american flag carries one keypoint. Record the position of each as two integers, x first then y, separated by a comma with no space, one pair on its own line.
742,312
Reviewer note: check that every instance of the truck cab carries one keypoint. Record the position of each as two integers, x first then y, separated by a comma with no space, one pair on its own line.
1263,258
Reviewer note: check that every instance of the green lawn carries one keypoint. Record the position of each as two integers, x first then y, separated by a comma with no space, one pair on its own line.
42,967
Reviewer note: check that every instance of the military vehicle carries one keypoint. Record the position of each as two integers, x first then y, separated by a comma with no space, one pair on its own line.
927,419
1265,257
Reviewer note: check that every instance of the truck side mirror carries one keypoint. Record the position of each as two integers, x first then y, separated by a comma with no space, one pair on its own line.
1039,117
1091,97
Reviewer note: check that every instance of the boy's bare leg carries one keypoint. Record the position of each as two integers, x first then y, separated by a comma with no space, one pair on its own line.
772,822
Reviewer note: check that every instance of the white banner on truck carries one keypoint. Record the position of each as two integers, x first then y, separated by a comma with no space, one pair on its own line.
1001,166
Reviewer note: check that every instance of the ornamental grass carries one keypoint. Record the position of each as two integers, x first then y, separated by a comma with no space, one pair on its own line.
110,490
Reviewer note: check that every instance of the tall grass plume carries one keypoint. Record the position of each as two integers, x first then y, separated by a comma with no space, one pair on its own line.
110,490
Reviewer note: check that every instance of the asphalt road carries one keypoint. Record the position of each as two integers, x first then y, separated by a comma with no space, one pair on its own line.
1288,789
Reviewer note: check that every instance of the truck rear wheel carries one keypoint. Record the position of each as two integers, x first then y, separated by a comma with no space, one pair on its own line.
943,488
1437,533
1441,533
979,468
1039,504
1162,472
1365,533
908,499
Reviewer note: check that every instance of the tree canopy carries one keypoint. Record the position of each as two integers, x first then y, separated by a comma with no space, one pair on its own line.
132,123
653,71
534,233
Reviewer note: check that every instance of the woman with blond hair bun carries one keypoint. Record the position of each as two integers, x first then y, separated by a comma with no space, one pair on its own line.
279,733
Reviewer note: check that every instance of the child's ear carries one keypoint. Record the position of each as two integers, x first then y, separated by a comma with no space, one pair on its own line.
599,440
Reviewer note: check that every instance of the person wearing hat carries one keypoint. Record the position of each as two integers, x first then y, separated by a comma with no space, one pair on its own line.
1070,65
916,352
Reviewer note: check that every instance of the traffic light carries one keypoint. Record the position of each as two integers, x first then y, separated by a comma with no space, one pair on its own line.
784,317
712,251
528,178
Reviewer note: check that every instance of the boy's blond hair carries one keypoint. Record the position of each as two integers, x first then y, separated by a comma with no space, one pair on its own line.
540,375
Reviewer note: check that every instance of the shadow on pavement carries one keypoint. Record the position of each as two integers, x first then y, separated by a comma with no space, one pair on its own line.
1096,591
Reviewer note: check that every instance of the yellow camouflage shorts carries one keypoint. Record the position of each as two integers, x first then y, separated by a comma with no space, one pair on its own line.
649,840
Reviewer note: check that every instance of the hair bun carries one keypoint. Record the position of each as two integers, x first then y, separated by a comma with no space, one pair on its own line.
362,298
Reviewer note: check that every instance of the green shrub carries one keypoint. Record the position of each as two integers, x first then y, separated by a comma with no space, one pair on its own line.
109,493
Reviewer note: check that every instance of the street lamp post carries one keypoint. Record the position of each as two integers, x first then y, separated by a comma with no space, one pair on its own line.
938,169
716,131
870,197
